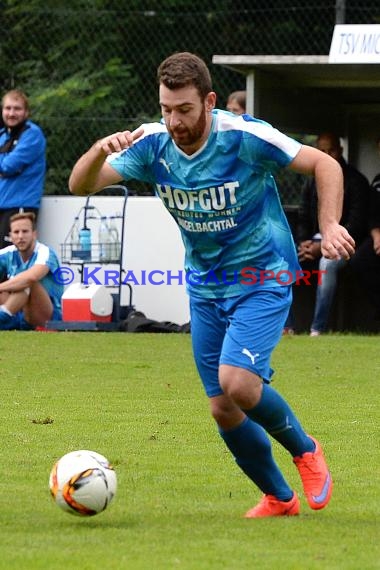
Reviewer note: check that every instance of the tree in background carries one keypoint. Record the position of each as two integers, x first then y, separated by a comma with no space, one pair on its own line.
89,66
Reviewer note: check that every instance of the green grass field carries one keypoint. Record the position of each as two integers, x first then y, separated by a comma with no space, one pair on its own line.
137,400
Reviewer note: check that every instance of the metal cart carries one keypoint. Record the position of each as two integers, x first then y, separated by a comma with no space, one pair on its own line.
89,218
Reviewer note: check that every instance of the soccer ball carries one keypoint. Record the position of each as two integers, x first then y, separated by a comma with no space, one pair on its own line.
83,483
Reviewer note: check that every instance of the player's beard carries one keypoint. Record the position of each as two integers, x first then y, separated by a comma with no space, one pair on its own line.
185,137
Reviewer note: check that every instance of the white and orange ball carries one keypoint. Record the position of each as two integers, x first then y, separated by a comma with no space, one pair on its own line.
83,483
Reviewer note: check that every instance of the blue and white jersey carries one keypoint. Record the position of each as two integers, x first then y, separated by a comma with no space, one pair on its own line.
224,200
11,264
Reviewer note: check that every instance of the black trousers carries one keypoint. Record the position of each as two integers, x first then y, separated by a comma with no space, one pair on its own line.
5,215
366,265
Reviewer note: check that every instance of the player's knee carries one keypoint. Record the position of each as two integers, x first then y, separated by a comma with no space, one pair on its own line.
225,412
220,415
241,386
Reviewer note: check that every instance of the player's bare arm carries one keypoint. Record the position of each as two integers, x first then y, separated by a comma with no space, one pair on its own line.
91,173
24,279
336,241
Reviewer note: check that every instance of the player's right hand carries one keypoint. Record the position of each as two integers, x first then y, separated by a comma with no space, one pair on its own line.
118,141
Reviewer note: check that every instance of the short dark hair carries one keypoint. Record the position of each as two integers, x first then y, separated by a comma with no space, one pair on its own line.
334,138
183,69
240,97
24,216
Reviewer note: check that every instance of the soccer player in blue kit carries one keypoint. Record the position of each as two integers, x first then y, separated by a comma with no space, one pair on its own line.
30,294
214,172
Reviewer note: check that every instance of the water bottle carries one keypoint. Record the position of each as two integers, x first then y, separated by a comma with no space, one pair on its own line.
85,243
74,239
104,240
115,240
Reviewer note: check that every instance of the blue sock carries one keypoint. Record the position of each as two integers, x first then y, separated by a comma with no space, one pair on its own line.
251,447
7,321
274,414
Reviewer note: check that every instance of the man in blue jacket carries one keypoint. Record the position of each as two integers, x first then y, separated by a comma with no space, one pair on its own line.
22,161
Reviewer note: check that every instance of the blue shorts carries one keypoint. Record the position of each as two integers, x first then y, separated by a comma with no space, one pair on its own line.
239,331
18,322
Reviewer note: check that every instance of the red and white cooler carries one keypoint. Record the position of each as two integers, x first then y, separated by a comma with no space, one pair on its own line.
87,303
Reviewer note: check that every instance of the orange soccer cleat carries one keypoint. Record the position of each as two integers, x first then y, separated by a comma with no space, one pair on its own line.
316,478
270,506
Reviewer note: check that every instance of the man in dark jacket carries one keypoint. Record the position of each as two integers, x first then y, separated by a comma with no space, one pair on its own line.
366,261
354,219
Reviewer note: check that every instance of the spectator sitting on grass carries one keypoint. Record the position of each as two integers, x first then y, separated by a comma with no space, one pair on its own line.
29,295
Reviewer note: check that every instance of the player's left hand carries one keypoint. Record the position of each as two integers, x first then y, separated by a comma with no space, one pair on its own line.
337,243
